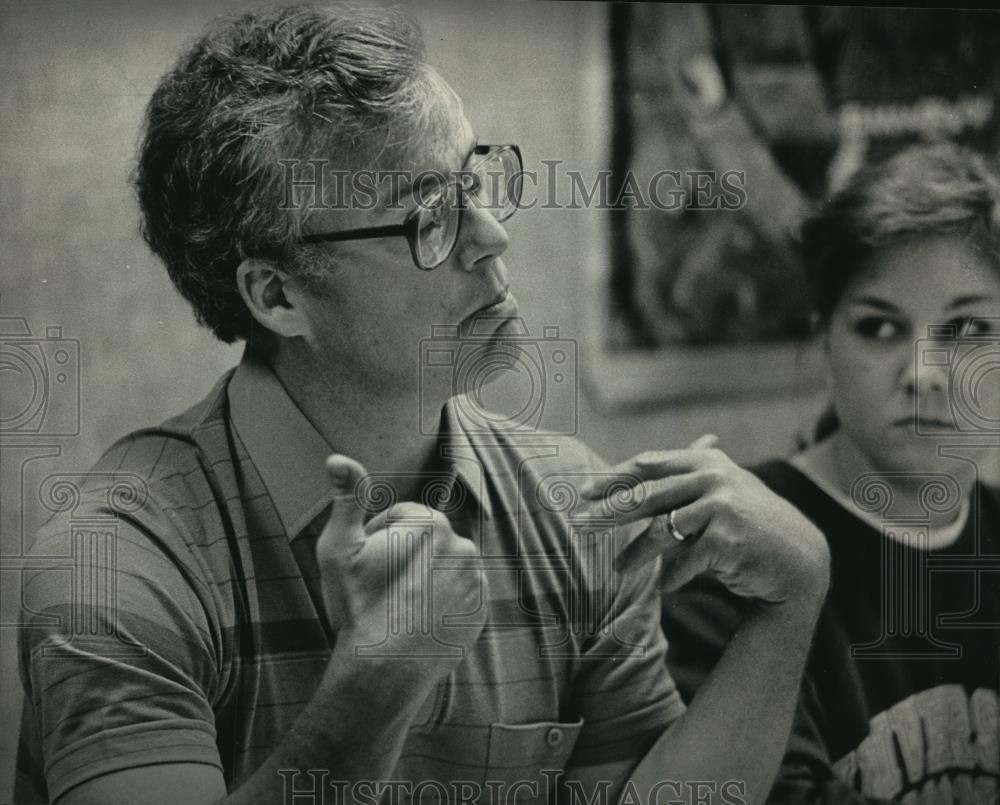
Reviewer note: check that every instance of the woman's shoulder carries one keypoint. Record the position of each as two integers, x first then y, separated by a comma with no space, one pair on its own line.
842,525
782,477
986,504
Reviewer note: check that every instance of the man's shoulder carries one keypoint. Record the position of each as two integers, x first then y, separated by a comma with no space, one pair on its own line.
157,477
157,452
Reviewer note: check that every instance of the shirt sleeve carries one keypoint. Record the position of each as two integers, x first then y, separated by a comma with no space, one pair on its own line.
626,694
115,653
624,690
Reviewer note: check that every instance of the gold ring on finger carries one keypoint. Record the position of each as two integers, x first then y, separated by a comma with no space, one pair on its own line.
675,532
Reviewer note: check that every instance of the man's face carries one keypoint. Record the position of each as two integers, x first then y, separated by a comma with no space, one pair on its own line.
380,305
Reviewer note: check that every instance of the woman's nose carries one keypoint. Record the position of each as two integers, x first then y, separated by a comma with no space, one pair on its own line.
926,369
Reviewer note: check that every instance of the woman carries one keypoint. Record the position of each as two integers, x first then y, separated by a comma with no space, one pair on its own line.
900,698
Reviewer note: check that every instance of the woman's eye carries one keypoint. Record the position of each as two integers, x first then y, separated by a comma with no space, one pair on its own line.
877,328
977,325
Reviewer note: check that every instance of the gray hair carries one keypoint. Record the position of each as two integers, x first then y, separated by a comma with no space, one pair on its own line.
342,83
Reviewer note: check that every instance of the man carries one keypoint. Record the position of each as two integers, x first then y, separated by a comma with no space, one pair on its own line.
281,630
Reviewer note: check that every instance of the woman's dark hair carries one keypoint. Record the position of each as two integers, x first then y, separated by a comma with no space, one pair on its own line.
923,190
251,95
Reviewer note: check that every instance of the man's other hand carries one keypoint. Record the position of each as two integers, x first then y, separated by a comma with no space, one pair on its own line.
403,585
711,516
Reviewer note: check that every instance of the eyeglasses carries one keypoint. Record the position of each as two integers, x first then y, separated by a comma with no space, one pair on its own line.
492,181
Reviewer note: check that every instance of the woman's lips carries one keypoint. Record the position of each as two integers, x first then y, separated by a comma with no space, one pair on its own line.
926,423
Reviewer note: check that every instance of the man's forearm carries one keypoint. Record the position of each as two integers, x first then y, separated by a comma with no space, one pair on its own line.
353,727
737,726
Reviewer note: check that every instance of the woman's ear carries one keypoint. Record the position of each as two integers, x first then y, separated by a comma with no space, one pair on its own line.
273,297
824,336
819,328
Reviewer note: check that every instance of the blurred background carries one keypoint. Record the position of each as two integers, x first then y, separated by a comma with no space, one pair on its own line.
95,311
795,98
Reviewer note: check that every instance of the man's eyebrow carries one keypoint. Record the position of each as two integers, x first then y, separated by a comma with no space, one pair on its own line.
395,199
470,152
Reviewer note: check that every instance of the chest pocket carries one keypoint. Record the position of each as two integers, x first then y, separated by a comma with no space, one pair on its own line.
518,755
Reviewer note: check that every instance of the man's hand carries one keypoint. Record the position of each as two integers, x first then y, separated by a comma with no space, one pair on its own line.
734,527
727,523
431,578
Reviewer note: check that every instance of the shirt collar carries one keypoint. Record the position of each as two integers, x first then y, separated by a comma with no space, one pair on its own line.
465,462
290,454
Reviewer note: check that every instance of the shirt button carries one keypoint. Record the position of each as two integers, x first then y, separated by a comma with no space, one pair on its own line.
554,737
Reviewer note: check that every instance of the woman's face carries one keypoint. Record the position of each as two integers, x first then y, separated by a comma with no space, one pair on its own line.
892,381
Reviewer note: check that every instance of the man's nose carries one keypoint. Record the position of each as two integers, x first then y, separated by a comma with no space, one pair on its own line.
483,236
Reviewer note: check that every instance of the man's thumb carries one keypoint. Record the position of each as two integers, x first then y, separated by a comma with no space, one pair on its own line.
345,475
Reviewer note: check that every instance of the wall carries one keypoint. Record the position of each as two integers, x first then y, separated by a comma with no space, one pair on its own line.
76,78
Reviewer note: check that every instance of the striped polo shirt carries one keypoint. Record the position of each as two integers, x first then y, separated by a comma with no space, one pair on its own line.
189,625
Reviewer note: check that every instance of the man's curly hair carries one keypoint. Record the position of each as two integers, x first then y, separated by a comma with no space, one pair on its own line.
340,83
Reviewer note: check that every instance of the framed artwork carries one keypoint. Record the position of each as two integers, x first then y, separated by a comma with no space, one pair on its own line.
721,127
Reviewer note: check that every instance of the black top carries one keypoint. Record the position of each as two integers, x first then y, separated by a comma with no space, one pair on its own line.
900,692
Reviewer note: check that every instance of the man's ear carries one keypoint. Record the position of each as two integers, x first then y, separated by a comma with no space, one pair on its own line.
273,297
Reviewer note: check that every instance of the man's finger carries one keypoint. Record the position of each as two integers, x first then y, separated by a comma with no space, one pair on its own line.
347,517
644,548
650,465
341,537
704,442
681,567
660,539
648,499
656,540
407,510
